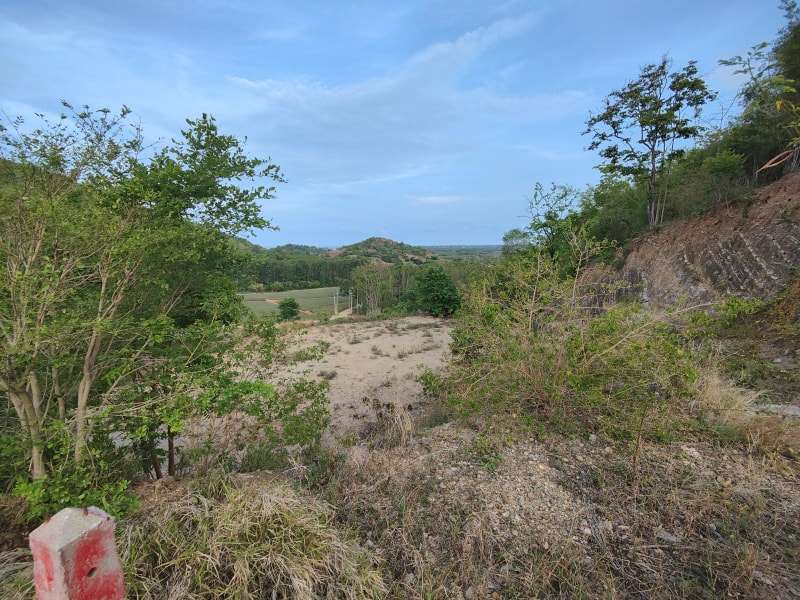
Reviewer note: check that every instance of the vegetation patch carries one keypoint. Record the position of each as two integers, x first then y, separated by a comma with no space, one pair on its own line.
245,538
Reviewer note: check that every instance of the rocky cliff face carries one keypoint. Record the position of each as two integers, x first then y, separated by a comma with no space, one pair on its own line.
753,252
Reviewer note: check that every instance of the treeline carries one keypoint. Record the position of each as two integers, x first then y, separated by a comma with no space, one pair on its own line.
294,266
432,288
277,273
660,162
398,289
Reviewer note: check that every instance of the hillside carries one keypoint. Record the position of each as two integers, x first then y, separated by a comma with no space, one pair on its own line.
288,250
746,251
468,251
386,250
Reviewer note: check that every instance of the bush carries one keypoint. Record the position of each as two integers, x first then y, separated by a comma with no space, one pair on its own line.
436,293
14,460
234,540
102,481
45,497
288,309
530,341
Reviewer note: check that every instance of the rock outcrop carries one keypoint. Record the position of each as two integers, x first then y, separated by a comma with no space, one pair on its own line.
751,252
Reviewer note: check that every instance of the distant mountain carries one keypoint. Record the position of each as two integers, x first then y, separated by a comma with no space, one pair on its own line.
472,251
298,250
385,250
247,247
285,251
374,248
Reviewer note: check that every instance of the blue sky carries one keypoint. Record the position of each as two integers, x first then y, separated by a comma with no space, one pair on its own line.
423,121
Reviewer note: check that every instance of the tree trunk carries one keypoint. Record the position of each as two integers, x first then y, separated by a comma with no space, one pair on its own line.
23,405
156,464
38,469
170,453
81,427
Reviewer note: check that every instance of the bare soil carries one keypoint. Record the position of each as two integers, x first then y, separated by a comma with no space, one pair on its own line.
372,361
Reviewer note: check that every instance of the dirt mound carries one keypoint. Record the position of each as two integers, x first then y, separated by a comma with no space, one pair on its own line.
748,251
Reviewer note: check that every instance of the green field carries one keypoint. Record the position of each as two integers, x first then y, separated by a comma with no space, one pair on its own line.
315,301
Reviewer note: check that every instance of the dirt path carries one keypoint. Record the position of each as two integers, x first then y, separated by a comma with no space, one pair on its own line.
373,360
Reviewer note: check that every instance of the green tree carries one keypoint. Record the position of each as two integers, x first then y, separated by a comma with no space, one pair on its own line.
639,130
101,251
288,309
436,293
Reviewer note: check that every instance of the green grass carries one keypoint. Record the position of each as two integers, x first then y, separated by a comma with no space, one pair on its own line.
317,301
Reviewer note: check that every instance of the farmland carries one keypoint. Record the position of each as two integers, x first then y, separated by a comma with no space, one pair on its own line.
315,301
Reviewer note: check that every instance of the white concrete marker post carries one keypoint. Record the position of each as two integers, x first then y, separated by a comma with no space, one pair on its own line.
75,557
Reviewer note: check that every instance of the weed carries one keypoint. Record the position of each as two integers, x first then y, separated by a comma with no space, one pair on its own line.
486,452
315,352
732,411
347,441
392,426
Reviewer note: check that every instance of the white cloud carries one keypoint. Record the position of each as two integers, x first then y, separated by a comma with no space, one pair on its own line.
412,116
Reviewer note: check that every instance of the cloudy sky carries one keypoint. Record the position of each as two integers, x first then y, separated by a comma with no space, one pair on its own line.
425,121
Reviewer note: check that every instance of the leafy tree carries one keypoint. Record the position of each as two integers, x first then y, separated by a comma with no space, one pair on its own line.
436,293
374,287
642,124
101,251
288,309
614,210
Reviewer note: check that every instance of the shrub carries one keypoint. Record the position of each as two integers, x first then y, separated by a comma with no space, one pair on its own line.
314,352
530,341
102,481
45,497
288,309
436,293
13,460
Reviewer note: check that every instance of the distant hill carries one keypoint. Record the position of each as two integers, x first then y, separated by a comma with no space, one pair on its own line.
385,250
246,246
477,251
287,250
297,250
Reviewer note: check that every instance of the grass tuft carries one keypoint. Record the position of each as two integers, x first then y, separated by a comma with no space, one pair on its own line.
253,539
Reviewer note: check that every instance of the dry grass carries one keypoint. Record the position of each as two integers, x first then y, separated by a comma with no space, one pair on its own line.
695,522
736,407
260,539
16,575
393,425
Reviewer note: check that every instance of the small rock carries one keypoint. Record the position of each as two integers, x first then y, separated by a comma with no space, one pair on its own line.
691,452
666,536
761,578
470,593
592,438
607,450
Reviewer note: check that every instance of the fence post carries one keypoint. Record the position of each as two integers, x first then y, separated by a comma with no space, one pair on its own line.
75,557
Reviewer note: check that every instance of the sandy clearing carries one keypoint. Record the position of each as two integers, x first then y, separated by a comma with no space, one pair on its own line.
373,360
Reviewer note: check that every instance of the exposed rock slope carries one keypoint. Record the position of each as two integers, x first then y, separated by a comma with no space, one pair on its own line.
752,252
